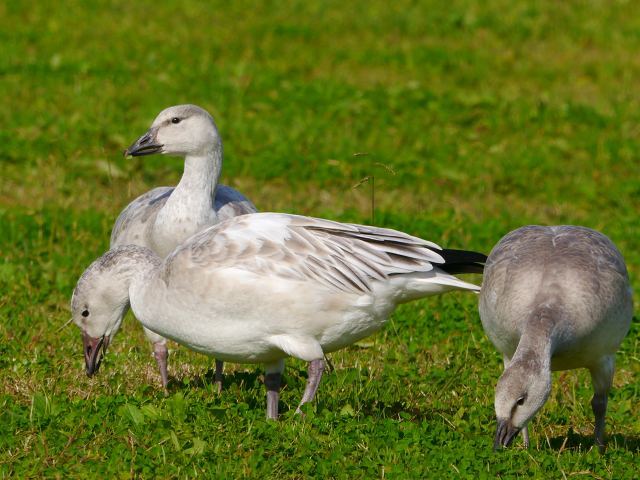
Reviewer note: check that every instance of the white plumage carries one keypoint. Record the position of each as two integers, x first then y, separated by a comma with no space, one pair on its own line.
261,287
164,217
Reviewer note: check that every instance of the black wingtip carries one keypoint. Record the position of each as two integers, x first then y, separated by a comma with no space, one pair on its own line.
455,268
462,256
462,261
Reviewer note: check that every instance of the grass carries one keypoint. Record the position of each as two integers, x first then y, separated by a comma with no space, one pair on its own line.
483,117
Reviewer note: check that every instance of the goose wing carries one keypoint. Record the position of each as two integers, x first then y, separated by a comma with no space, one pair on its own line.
538,247
341,256
132,223
231,203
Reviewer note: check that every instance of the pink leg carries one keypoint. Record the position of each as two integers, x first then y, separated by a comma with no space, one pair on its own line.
315,369
160,353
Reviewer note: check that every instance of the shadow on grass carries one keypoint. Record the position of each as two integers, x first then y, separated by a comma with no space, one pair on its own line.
234,380
248,380
577,441
240,379
397,410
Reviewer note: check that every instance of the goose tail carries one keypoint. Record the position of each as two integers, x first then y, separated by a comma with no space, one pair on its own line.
441,278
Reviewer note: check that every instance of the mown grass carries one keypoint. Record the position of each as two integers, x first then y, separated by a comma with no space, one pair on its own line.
473,118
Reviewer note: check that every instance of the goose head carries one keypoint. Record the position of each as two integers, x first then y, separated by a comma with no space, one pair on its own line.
522,390
179,130
101,300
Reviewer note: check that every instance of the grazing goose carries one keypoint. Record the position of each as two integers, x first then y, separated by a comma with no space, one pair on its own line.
164,217
553,298
264,286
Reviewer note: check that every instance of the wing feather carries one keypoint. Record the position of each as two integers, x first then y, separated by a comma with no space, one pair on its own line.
345,257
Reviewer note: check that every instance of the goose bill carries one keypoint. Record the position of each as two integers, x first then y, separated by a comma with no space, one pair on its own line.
145,145
505,433
93,351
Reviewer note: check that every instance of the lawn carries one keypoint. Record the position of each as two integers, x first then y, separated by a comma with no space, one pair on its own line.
474,118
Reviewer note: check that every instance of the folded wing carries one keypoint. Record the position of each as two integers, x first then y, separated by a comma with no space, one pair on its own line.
340,256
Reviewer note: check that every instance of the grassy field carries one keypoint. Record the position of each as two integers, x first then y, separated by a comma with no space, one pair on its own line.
474,120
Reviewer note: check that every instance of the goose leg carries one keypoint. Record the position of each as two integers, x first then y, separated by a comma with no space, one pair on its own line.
315,369
218,376
273,380
602,379
525,436
161,353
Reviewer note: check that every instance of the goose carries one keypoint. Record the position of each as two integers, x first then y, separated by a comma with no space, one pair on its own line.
553,298
265,286
164,217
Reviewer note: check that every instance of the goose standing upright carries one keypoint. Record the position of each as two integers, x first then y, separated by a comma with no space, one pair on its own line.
164,217
553,298
264,286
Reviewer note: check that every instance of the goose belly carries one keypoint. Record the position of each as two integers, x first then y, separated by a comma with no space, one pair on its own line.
235,316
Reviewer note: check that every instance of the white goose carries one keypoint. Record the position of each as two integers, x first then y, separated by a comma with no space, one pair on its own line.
164,217
553,298
261,287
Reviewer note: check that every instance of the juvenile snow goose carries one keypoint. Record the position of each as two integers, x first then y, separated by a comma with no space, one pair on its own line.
553,298
261,287
164,217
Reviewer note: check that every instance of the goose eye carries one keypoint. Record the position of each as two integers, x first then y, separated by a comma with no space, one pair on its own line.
85,313
175,120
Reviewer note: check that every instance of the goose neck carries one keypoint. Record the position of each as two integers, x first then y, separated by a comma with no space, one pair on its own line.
142,267
201,173
538,340
191,205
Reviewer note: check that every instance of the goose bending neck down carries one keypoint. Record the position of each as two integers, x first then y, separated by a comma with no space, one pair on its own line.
164,217
553,298
262,287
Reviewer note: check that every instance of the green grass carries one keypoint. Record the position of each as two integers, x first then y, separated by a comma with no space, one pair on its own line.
475,118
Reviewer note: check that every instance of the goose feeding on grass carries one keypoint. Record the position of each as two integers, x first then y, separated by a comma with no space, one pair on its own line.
262,287
553,298
164,217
